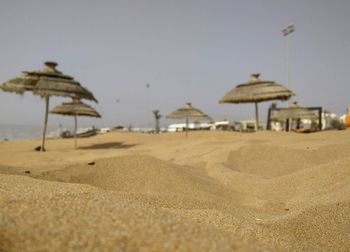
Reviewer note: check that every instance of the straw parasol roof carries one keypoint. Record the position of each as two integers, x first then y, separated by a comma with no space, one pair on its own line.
294,112
75,108
47,82
20,84
255,91
188,112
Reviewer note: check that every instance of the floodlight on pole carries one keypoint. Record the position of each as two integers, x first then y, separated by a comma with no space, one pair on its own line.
286,32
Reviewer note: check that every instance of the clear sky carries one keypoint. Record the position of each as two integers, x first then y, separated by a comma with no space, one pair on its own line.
187,50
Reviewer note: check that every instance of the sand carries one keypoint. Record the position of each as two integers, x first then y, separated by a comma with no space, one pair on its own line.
214,191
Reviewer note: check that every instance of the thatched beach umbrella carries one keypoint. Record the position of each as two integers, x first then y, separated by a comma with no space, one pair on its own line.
188,112
47,82
75,108
255,91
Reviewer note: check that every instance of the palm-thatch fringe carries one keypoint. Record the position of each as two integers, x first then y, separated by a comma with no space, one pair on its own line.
20,84
256,90
62,87
75,108
188,112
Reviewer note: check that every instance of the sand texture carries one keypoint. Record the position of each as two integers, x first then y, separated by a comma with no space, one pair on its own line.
214,191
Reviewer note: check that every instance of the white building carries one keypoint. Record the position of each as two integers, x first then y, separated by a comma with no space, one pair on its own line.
326,118
176,127
250,125
105,130
191,126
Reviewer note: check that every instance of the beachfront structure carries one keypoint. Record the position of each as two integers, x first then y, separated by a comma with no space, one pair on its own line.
221,125
105,130
218,125
327,118
294,114
178,127
255,91
308,123
244,125
250,125
276,126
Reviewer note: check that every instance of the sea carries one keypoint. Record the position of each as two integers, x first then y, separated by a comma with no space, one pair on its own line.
10,132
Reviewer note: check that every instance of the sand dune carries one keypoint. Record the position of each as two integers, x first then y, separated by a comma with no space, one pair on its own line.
70,217
215,191
144,174
275,160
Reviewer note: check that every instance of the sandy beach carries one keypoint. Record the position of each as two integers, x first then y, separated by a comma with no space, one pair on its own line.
214,191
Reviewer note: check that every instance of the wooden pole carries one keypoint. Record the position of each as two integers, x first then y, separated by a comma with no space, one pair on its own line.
268,124
186,127
320,118
256,116
75,131
47,98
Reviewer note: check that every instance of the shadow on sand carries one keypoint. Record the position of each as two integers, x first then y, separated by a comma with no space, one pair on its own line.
111,145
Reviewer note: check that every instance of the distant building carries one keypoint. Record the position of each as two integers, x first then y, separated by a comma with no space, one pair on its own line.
276,126
105,130
327,118
206,126
249,125
177,127
222,125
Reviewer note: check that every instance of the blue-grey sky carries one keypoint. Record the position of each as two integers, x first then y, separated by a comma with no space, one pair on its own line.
188,50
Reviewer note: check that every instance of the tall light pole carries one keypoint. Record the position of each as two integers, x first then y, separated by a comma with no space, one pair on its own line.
148,104
286,32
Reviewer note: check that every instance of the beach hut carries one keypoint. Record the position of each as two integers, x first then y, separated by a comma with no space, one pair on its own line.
256,91
47,82
188,112
75,108
294,112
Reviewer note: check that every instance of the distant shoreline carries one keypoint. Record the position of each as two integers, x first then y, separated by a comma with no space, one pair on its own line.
14,132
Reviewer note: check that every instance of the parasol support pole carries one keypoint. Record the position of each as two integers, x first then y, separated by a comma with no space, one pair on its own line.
256,117
268,124
287,124
75,131
186,127
47,99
